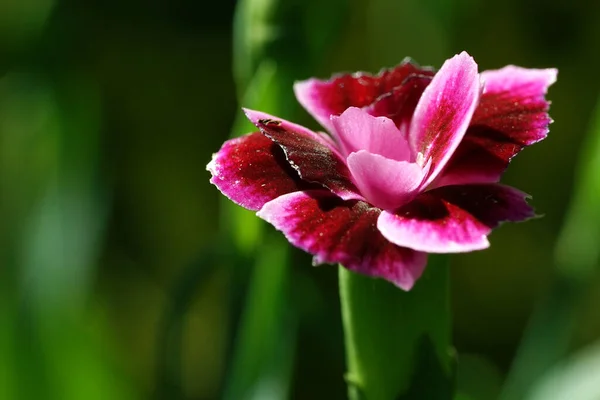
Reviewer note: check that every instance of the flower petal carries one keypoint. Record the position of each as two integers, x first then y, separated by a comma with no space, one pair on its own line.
454,218
399,104
444,111
512,114
481,157
325,98
337,231
433,225
385,183
264,121
513,102
252,170
309,153
490,203
356,130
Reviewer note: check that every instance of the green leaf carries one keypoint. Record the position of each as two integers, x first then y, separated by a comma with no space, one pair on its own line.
477,378
577,250
263,356
577,254
194,279
574,379
545,341
56,209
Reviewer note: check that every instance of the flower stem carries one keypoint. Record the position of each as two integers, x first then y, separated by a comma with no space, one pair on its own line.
397,343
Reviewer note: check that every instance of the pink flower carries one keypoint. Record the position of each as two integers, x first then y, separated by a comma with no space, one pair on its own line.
411,167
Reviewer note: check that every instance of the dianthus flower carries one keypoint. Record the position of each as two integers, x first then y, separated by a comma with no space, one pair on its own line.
411,164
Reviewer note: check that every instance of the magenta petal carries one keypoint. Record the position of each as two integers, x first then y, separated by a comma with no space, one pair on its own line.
325,98
356,130
444,112
454,218
513,102
309,153
252,170
435,226
337,231
385,183
512,114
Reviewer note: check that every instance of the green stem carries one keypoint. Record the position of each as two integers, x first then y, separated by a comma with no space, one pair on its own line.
397,343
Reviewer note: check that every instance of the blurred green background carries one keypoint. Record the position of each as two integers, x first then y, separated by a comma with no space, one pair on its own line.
111,287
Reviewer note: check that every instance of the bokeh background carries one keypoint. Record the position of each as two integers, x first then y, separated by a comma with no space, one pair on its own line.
116,272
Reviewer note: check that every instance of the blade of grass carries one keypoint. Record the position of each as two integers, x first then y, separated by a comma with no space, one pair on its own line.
264,348
549,332
573,379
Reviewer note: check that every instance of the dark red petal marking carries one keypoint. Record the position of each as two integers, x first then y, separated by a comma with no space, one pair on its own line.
512,114
399,104
252,170
310,155
337,231
490,203
481,157
454,218
325,98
